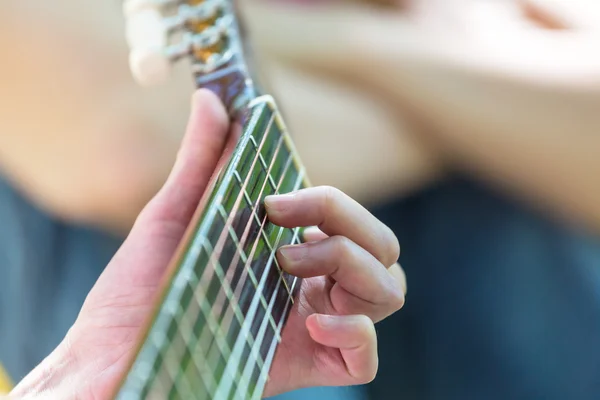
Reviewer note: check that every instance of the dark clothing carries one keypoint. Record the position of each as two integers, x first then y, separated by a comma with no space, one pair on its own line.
502,303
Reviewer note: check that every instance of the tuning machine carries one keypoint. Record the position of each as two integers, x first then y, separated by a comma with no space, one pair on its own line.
200,27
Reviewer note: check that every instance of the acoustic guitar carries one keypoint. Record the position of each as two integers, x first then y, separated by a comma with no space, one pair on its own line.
219,319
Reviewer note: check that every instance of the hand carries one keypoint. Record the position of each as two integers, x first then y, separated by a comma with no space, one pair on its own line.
505,91
96,352
352,280
79,137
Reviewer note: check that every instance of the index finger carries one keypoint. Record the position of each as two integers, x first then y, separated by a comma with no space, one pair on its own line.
335,214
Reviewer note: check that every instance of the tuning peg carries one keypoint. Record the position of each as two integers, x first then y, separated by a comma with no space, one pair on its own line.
150,66
132,7
146,29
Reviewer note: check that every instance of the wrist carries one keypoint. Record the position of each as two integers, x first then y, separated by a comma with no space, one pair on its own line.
54,377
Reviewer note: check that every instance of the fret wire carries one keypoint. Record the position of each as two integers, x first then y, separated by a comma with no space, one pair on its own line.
261,229
236,310
248,271
205,374
241,253
171,366
246,326
223,235
189,337
221,242
242,241
199,296
262,380
269,317
238,200
247,268
228,227
226,322
264,163
258,297
233,235
222,238
247,374
219,246
172,381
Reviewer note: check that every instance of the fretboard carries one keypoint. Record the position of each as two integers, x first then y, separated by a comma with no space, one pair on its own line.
220,320
221,313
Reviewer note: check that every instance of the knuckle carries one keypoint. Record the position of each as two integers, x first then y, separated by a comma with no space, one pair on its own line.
370,374
368,337
395,297
341,247
392,248
329,198
370,371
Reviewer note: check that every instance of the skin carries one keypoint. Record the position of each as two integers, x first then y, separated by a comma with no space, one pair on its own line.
437,100
85,143
349,262
504,91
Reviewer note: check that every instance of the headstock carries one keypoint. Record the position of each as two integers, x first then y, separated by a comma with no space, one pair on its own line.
161,32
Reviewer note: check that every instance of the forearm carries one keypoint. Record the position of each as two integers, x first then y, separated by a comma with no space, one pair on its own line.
334,124
539,143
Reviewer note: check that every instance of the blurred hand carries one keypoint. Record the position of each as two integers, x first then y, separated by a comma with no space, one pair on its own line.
353,280
79,137
505,90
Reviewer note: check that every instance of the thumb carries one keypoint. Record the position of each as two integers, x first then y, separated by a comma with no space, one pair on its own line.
142,260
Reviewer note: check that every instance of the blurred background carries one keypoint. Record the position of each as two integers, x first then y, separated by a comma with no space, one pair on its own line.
470,127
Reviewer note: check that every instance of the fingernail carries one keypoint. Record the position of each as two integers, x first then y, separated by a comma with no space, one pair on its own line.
294,253
279,203
326,321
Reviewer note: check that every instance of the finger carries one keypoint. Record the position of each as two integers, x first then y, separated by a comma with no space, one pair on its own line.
200,151
399,275
161,225
363,284
355,337
335,214
313,234
563,14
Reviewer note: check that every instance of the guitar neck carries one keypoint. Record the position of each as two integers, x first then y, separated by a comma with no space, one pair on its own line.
223,307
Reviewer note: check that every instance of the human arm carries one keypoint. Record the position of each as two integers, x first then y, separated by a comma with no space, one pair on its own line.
503,98
79,137
365,288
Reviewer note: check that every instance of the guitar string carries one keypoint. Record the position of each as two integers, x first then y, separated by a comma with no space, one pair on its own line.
269,177
246,273
225,324
262,232
262,380
247,323
258,294
240,243
273,248
257,347
215,254
216,267
268,316
258,298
